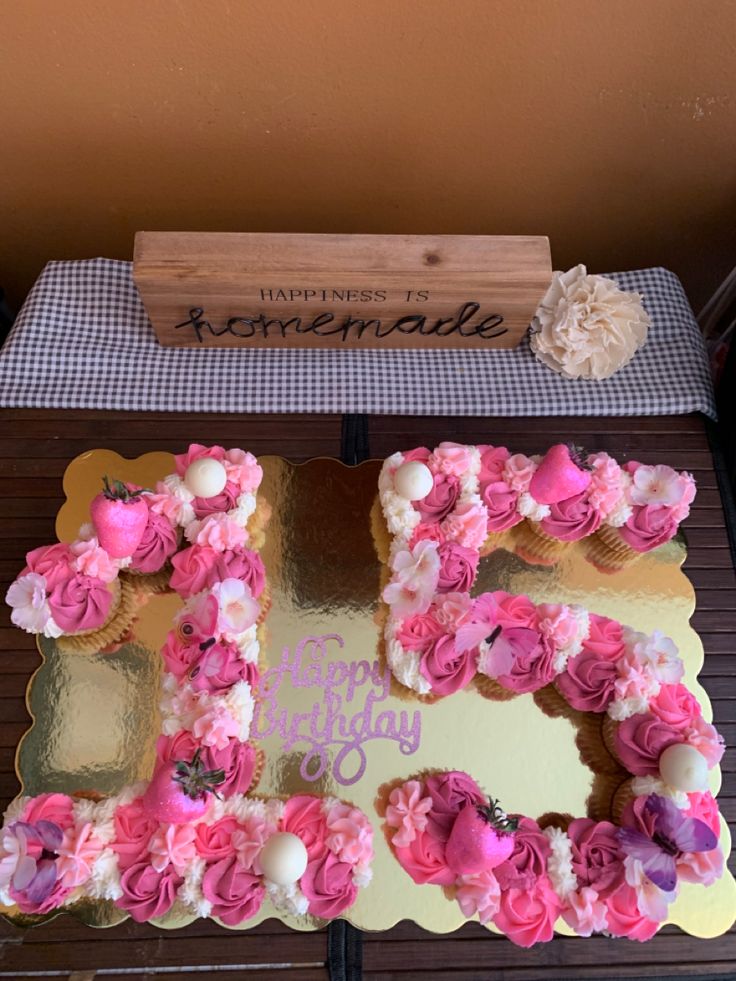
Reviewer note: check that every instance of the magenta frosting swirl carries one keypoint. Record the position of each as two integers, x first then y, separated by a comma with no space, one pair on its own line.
533,666
450,792
224,501
445,668
158,543
146,892
80,602
597,858
458,567
572,519
240,563
641,739
192,570
235,893
500,501
528,861
50,561
328,885
419,632
441,500
649,526
588,682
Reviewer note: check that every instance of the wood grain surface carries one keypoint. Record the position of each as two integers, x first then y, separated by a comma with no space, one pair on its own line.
241,275
35,447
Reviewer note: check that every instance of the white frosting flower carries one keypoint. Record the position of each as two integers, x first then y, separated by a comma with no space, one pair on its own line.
104,883
239,702
190,891
644,786
656,485
529,508
289,898
586,327
405,667
559,863
27,597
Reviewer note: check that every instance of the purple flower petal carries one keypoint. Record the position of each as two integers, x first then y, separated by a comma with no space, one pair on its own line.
24,872
661,870
43,883
50,834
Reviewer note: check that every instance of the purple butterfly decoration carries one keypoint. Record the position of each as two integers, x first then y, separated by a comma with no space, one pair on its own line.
671,834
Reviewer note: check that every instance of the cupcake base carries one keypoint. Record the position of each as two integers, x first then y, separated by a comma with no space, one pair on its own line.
489,688
131,597
536,546
607,551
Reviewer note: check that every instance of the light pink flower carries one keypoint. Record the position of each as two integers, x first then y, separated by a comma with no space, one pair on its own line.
173,844
237,609
92,560
584,912
606,489
349,834
407,811
175,509
662,656
27,597
558,623
77,854
651,900
450,608
479,893
682,509
248,840
215,727
218,531
703,868
656,485
707,740
243,469
635,679
467,525
415,579
450,458
518,471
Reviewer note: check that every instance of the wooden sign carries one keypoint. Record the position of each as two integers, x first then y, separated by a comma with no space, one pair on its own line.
251,290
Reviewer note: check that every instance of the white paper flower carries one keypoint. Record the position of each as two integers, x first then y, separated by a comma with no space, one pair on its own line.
27,597
238,611
586,327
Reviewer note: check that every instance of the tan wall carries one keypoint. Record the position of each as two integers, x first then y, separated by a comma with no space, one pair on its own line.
608,124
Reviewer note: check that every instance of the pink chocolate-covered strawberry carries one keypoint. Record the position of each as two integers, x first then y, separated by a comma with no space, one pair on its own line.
480,839
558,476
179,791
120,516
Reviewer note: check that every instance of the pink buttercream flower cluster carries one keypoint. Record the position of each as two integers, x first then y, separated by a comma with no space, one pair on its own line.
55,850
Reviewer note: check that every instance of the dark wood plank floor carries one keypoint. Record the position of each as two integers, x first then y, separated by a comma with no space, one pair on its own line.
35,447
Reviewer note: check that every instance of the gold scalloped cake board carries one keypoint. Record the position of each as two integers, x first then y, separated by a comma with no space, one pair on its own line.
96,717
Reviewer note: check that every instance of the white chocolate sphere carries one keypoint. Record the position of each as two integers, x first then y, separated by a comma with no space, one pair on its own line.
413,480
205,477
682,767
284,858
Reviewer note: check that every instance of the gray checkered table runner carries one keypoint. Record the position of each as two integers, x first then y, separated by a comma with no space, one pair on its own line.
82,340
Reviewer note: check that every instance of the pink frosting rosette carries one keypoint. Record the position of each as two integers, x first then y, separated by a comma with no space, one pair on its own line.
588,682
572,519
492,462
240,563
214,841
446,669
178,655
501,504
237,760
197,452
134,828
159,542
53,562
458,568
449,792
219,667
675,706
57,808
424,860
420,453
79,602
419,632
624,918
235,893
146,892
527,916
441,500
528,861
192,570
524,660
225,501
303,817
514,611
597,858
328,885
640,740
649,527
